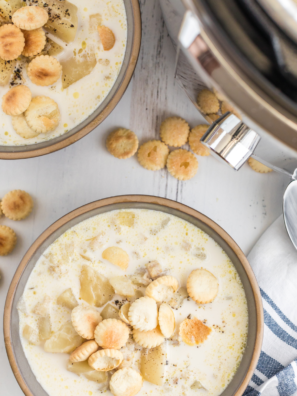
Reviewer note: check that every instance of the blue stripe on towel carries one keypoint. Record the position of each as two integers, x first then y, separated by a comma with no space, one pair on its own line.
250,391
278,311
268,366
278,331
286,384
257,380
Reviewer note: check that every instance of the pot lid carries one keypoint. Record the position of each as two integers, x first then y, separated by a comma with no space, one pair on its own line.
256,61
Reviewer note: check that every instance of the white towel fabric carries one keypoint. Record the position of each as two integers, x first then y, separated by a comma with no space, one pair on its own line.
274,261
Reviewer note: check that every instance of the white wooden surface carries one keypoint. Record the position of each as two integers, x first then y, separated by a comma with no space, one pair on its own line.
243,203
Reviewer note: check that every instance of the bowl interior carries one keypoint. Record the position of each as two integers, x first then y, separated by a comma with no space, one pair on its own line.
94,119
19,356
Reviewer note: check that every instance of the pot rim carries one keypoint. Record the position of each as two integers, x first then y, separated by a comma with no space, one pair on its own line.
135,49
144,199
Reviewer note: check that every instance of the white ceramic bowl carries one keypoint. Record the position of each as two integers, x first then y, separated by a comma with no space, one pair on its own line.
18,361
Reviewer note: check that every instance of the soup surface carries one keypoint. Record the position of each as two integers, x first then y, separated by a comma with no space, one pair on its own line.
78,101
146,236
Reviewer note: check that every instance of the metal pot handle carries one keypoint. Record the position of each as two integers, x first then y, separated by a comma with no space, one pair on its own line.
231,140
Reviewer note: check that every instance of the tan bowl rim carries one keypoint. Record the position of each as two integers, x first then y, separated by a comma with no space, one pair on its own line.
106,111
146,199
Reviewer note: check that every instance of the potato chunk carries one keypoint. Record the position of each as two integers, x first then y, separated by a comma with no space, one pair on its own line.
116,256
31,335
197,385
76,68
126,219
138,294
8,8
122,286
45,329
63,20
53,48
67,299
65,340
110,312
79,368
96,376
88,372
2,21
153,364
6,70
95,288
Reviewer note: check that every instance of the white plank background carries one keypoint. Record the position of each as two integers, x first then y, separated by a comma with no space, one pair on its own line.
243,203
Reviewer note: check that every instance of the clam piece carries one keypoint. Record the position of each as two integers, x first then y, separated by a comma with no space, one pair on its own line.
95,21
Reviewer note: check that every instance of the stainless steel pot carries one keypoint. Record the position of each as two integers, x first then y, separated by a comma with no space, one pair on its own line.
109,103
247,50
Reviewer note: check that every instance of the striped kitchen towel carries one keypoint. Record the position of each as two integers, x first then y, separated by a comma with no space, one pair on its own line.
274,261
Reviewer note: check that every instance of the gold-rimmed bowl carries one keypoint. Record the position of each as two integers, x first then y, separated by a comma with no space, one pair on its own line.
17,358
105,108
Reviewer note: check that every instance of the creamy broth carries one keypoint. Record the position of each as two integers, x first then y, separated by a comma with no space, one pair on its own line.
180,248
82,98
